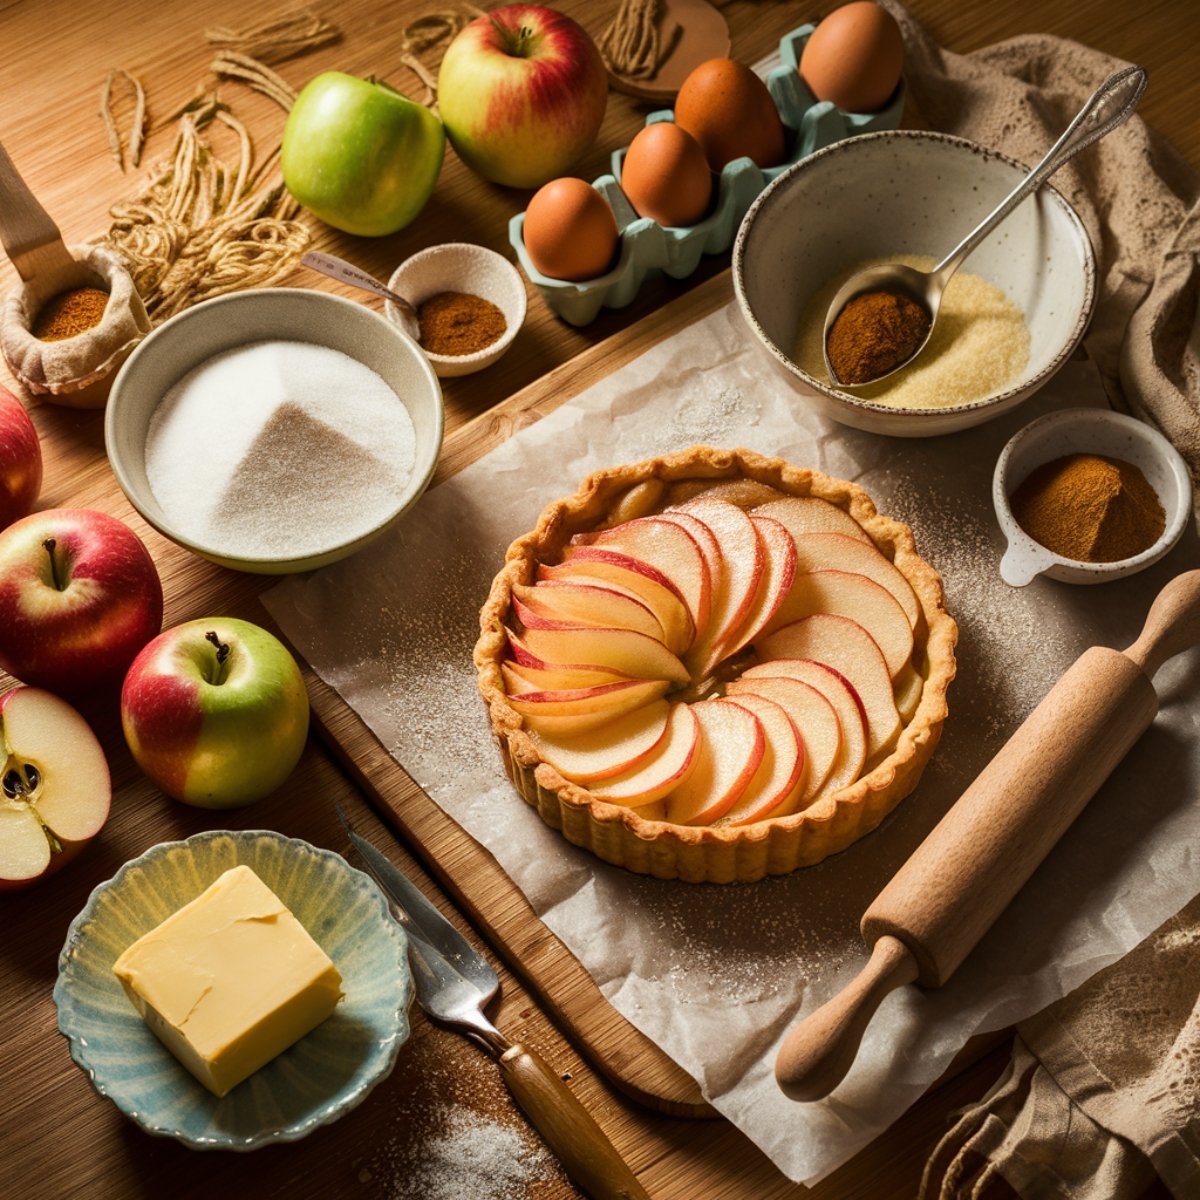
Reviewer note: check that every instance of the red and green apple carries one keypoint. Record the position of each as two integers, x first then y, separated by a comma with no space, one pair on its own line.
215,712
20,460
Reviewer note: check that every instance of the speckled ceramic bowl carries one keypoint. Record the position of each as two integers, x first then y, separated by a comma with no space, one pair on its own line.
1087,431
321,1077
462,267
269,314
906,192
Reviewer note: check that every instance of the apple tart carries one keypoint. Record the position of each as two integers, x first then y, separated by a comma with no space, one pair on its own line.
715,666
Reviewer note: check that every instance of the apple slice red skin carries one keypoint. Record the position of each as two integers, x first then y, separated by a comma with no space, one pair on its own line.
70,849
82,634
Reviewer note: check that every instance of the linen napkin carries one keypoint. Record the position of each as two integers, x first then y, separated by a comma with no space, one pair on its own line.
1136,196
1103,1090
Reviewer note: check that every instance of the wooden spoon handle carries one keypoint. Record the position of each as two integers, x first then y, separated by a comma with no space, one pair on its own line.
1172,624
31,239
816,1055
568,1128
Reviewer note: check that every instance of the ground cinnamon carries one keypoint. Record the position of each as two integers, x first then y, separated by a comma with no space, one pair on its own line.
874,334
459,323
1089,508
69,314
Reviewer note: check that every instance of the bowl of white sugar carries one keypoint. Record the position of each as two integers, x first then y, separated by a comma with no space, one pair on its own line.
1011,316
274,430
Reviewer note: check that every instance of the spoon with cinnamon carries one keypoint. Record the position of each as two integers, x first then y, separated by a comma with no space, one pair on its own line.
898,305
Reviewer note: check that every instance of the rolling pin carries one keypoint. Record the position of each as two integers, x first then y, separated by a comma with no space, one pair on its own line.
978,857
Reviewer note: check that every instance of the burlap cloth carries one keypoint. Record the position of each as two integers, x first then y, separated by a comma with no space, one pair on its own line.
1103,1090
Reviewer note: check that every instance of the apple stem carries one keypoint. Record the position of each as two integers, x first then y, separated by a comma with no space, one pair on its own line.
515,42
49,546
222,654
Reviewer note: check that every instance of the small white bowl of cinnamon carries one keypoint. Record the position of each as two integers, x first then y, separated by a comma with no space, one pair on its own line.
470,304
1086,495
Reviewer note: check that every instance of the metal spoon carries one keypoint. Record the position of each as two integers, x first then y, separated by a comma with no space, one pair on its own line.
1109,105
340,269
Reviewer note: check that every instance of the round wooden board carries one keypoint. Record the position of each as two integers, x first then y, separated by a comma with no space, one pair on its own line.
704,35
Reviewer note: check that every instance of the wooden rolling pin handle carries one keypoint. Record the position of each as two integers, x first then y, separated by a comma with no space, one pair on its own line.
822,1048
589,1158
979,856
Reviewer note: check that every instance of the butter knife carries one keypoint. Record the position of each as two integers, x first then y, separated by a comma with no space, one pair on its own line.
453,984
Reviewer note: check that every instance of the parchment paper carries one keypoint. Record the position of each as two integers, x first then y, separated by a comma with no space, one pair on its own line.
717,975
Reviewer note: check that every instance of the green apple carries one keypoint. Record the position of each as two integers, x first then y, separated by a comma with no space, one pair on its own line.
215,712
359,155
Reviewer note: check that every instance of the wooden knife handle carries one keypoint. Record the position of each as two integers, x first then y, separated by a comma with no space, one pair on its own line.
27,232
568,1128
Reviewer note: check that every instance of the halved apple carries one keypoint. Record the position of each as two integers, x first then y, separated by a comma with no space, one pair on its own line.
582,604
814,719
741,575
781,771
842,552
627,574
732,744
810,514
851,651
55,789
577,710
617,746
621,650
670,764
843,593
669,549
849,708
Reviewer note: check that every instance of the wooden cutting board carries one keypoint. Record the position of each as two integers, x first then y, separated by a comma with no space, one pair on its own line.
465,869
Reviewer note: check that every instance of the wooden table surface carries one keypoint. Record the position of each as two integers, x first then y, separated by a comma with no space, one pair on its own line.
444,1098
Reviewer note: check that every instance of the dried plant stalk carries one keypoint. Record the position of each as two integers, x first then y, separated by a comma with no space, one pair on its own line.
278,39
137,125
256,75
631,45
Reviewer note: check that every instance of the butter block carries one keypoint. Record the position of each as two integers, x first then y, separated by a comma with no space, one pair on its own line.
230,980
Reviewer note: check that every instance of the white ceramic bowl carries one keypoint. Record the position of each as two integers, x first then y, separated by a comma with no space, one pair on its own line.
905,192
462,267
267,314
1087,431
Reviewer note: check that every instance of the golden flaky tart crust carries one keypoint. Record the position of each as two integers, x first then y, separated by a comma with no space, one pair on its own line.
717,854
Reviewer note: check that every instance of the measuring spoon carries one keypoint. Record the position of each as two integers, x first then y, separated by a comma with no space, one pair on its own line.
1109,105
345,272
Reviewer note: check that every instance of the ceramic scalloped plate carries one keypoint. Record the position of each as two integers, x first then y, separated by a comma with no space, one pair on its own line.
321,1077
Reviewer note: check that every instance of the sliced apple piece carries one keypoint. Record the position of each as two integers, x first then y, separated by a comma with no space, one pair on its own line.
779,774
669,549
850,650
779,572
811,514
849,708
671,762
732,744
578,710
842,552
620,650
519,678
815,721
581,604
737,584
627,574
613,748
847,594
55,788
908,687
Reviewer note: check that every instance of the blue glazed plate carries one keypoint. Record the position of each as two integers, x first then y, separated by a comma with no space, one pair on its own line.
317,1080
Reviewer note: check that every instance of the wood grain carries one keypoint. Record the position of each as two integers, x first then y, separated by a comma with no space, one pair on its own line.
60,1138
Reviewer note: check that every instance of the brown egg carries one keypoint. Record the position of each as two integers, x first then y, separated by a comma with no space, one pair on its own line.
666,176
570,231
728,110
854,57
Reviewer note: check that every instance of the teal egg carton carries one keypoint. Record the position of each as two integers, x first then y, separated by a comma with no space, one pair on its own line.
648,248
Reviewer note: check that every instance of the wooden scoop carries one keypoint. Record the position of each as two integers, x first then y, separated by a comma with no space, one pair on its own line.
963,875
30,237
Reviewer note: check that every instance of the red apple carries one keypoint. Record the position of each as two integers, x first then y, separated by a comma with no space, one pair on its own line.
54,785
20,460
522,92
79,597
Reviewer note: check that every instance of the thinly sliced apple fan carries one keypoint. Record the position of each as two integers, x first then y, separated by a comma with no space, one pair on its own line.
739,652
